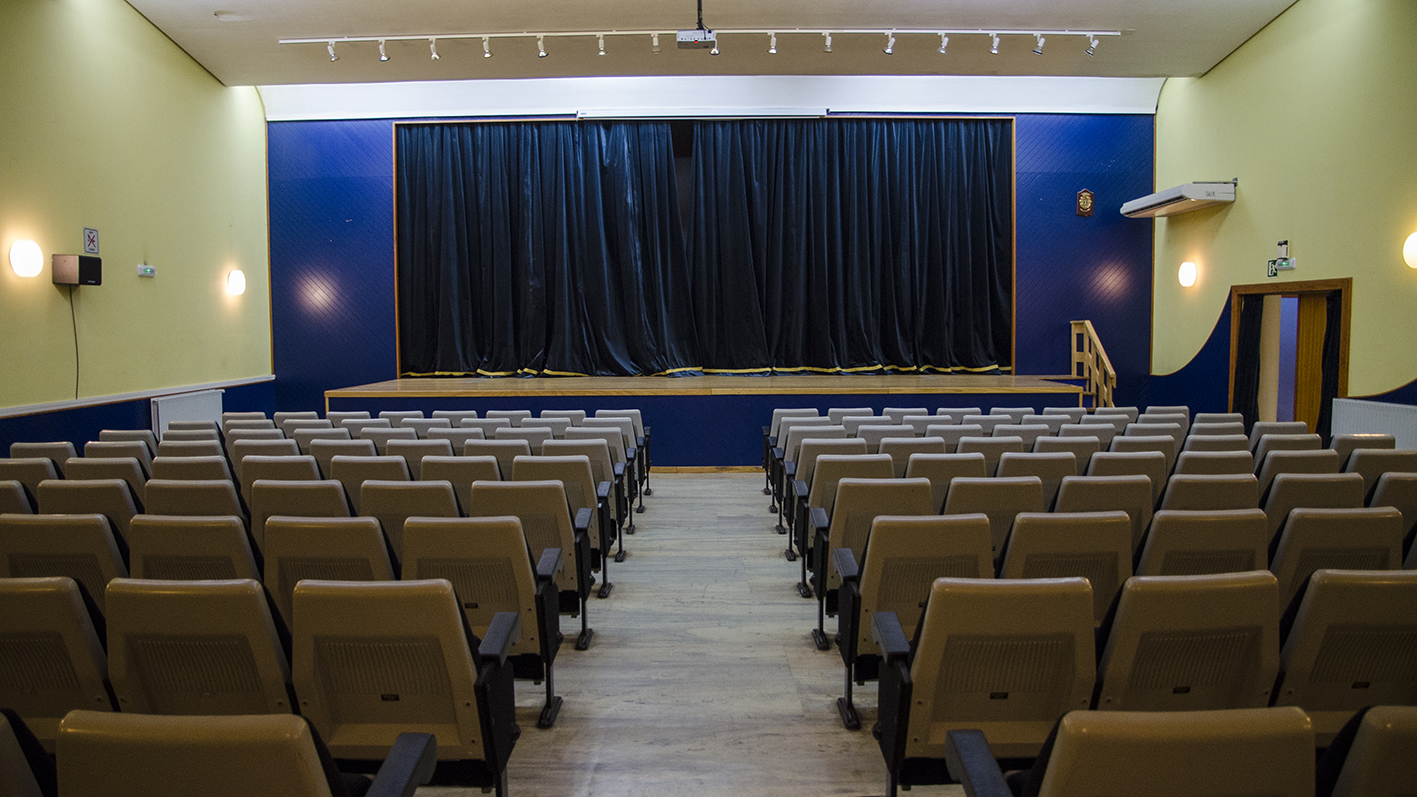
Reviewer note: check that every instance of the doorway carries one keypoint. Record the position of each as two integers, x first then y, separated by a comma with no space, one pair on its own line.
1289,350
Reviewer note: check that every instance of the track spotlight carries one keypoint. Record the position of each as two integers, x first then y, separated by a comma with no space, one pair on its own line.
540,46
772,43
828,47
995,48
944,42
1091,45
331,49
601,40
433,49
890,44
383,56
654,43
1039,49
486,47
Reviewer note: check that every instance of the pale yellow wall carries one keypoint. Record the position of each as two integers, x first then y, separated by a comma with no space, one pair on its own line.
1317,117
105,123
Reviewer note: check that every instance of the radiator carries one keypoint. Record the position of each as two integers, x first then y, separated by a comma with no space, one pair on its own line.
1352,416
203,405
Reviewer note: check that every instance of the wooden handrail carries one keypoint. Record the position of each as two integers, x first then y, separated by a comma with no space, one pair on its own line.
1090,364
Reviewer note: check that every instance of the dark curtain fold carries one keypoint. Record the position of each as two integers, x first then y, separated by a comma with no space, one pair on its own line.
1328,387
853,245
540,248
1246,397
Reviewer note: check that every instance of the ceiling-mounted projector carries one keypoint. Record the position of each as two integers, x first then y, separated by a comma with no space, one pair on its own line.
1181,199
695,39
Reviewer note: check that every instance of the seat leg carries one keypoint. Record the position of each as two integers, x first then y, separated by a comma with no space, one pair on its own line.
501,787
819,634
846,708
587,633
619,547
890,785
604,591
803,588
553,701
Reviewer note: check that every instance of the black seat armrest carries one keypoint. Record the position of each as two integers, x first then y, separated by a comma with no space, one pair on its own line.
582,521
971,762
820,520
549,563
640,441
504,630
845,561
619,469
789,469
772,441
886,630
602,490
408,765
630,453
800,489
778,453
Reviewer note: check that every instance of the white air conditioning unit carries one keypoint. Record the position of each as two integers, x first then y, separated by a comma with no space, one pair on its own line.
1181,199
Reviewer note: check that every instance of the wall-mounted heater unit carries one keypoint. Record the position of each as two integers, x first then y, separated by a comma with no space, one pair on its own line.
1181,199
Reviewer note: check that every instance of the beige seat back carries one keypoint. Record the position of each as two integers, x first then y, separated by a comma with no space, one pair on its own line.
112,498
324,451
1336,539
1053,422
231,436
534,436
1262,428
144,436
1094,545
1131,494
953,433
401,638
1050,468
992,448
381,437
1129,413
119,448
1166,444
633,414
873,434
285,468
507,450
1399,491
859,502
922,423
985,422
1073,414
1027,432
1151,464
832,468
1218,417
302,421
625,425
1371,463
576,478
455,417
461,472
173,548
187,426
30,471
488,426
240,449
414,451
339,417
456,437
1346,444
356,426
195,648
188,497
15,498
853,423
486,561
228,418
81,547
304,498
171,449
942,469
304,437
425,425
1014,414
1008,657
57,452
514,417
328,549
126,468
812,449
1001,499
1350,646
1261,752
1214,463
904,556
792,445
837,413
1202,493
393,502
1294,461
545,517
597,450
1287,442
1215,429
352,472
557,426
955,415
1155,417
1182,543
1220,442
397,417
900,450
50,653
1192,643
1289,491
1104,432
190,469
1380,762
574,416
897,414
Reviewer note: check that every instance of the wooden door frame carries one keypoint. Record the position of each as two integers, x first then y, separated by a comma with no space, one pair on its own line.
1343,285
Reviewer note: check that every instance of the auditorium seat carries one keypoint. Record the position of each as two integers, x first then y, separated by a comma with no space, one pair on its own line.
1151,464
290,425
1211,492
171,449
1179,419
901,449
1053,422
1372,755
30,471
1014,414
812,449
189,468
413,452
999,498
1200,463
557,426
620,460
454,417
352,472
1131,494
1372,463
1102,432
187,548
1118,421
295,415
1166,444
397,417
1341,539
1262,428
112,498
53,658
858,503
956,415
1311,490
942,469
394,638
507,450
602,468
305,437
460,472
828,471
1219,429
423,426
144,436
1026,432
228,418
642,442
299,498
381,437
1082,448
582,492
118,448
1346,444
1007,657
356,426
1183,543
1130,413
187,426
1217,417
57,453
15,498
851,422
189,435
1073,414
1287,442
242,448
574,416
1168,409
187,497
323,548
534,436
324,452
228,428
1399,491
837,413
952,433
1219,442
1191,643
1312,461
393,502
791,444
198,648
986,422
81,547
921,423
1050,468
992,448
874,433
287,468
1260,752
514,417
1350,646
1096,546
487,562
904,556
456,437
338,418
896,415
1172,430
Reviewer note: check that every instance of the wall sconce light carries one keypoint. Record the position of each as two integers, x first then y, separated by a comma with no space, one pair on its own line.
26,258
1409,251
236,282
1187,275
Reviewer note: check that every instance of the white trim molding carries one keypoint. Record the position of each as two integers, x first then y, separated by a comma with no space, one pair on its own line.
98,401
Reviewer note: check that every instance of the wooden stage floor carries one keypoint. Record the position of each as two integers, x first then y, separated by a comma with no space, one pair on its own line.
490,387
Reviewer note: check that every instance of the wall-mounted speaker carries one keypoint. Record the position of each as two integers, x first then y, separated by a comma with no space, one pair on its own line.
77,270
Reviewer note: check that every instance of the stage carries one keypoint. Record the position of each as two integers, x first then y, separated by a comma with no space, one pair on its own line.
707,421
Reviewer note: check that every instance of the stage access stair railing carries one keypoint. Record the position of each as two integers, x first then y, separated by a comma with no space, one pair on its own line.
1090,364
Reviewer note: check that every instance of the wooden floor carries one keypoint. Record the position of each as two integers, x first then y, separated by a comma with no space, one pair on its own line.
475,387
702,678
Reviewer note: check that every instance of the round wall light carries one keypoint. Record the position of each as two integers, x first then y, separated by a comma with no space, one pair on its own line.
236,282
26,259
1409,250
1187,275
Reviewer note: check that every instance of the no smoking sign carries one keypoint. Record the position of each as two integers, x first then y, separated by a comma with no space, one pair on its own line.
90,241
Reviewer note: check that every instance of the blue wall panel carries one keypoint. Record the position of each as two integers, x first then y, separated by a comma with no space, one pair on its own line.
1203,384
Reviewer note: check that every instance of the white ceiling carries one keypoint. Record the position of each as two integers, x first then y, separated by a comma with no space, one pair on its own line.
1160,38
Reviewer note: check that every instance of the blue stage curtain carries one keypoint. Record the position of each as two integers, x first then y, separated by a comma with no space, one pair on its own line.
540,248
853,245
